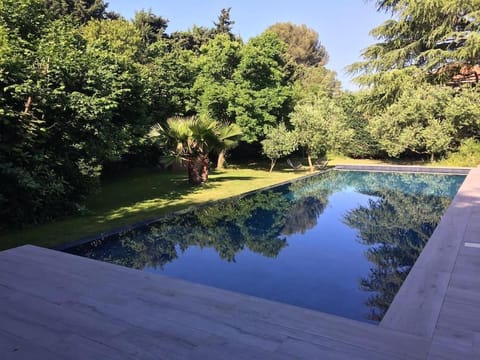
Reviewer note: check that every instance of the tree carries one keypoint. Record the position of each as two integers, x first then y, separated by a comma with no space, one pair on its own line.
69,104
431,35
191,140
463,112
224,24
416,122
362,144
192,39
319,125
213,85
279,142
81,11
168,76
150,26
316,79
116,36
303,45
263,89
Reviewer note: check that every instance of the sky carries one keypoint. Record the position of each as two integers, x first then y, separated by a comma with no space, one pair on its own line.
343,25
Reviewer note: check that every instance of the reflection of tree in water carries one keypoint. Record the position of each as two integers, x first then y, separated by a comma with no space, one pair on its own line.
309,200
396,227
259,222
303,215
254,221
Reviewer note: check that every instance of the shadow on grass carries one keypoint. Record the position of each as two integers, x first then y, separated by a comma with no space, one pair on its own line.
214,180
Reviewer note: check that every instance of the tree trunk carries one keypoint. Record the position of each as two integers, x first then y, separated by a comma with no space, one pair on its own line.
309,157
272,164
198,170
28,105
221,159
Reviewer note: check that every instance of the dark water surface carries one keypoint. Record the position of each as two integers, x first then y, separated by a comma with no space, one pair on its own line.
341,242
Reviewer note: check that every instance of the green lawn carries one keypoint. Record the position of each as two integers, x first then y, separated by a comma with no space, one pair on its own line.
143,195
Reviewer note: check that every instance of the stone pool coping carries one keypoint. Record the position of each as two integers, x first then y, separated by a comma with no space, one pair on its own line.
406,168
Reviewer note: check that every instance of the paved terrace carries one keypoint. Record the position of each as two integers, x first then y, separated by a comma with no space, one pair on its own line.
55,305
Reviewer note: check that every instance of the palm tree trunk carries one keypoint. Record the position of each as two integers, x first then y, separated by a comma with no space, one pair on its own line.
221,159
196,171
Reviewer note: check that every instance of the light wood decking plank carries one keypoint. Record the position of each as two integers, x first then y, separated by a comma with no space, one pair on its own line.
238,318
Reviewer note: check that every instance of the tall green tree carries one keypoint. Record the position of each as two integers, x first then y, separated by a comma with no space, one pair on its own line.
416,122
192,39
363,144
224,24
303,45
168,76
432,35
119,37
151,27
263,86
68,105
214,87
80,11
316,79
306,57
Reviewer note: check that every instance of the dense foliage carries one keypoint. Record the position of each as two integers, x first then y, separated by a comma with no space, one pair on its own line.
422,76
81,88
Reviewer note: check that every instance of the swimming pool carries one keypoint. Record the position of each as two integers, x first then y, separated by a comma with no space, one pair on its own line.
341,242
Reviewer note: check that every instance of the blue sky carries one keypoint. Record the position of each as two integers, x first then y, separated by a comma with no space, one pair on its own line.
343,25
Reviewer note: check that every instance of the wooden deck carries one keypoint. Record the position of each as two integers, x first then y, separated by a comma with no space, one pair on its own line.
55,305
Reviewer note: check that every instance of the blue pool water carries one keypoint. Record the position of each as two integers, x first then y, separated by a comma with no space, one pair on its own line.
341,242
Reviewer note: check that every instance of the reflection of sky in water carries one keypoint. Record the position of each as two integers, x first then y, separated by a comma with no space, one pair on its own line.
324,261
319,269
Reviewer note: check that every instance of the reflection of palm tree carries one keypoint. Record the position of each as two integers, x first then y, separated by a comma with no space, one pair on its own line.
396,228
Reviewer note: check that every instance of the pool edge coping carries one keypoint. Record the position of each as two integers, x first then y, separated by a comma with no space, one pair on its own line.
406,168
429,278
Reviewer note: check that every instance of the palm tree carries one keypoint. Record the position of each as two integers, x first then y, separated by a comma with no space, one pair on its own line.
191,139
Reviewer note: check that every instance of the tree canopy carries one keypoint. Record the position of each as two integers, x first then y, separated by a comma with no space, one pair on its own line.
438,36
81,88
423,52
303,45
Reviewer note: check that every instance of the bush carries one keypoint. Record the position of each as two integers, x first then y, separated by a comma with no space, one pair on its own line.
468,154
